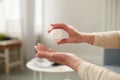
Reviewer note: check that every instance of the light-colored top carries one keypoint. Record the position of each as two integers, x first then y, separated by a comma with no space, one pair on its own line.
88,71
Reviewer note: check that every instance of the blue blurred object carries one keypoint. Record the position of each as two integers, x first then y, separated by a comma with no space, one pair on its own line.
112,57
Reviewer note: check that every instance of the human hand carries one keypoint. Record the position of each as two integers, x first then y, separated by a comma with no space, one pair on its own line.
40,47
59,57
74,36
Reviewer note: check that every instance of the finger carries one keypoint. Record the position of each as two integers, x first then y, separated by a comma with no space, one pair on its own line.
36,48
50,50
39,44
67,28
60,26
63,41
42,55
54,28
50,30
42,47
39,56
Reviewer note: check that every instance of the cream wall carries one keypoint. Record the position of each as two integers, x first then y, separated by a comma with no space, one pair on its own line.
84,15
27,22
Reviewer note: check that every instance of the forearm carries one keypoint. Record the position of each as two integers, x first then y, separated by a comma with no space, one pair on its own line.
75,64
89,71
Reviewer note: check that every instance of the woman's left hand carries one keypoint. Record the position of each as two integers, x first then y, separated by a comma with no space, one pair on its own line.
64,58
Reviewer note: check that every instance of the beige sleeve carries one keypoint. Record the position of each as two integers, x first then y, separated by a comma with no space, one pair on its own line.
109,39
89,71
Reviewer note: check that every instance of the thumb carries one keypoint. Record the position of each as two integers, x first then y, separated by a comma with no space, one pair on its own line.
63,41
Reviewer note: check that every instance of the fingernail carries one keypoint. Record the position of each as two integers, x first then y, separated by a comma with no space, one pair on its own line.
36,55
39,44
35,47
49,31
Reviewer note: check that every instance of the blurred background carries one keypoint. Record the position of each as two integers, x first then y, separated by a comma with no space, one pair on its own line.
28,22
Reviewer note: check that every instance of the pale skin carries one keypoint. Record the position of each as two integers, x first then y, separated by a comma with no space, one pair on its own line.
64,58
74,35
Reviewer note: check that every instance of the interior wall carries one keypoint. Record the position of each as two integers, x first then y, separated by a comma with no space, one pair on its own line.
27,16
84,15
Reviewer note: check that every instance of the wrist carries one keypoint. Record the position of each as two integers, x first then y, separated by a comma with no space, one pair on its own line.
88,38
76,64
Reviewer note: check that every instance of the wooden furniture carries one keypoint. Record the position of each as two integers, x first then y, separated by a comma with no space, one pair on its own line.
6,46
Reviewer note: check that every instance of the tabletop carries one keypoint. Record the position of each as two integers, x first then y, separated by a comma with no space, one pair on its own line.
46,66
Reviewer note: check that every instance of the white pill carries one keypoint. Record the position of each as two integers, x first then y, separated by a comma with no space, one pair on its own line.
56,35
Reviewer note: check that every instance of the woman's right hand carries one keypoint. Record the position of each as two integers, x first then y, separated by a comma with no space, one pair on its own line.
74,36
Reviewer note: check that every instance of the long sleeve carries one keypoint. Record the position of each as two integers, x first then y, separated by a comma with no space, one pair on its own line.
110,39
89,71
